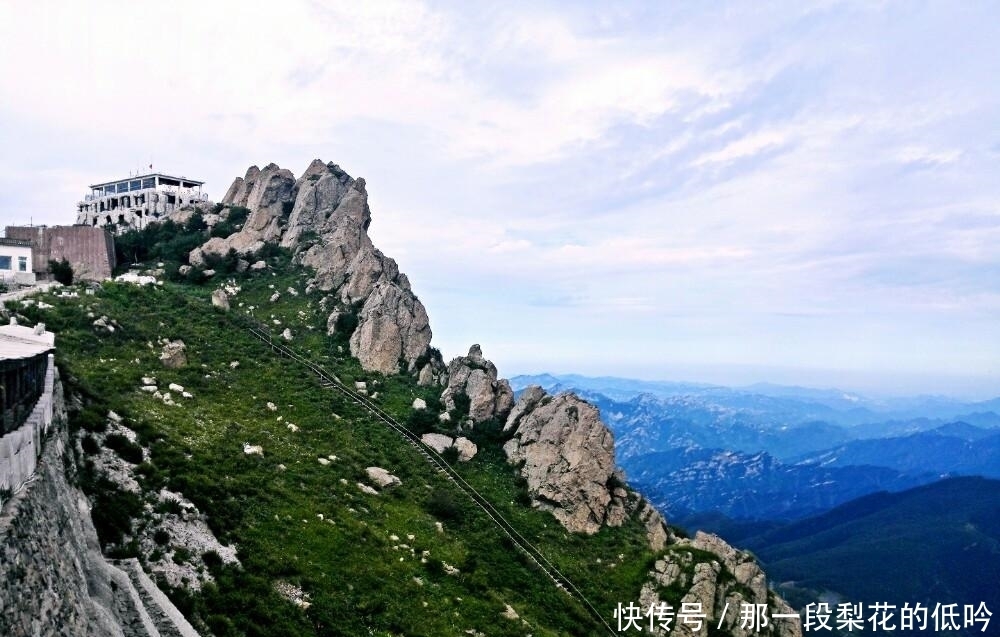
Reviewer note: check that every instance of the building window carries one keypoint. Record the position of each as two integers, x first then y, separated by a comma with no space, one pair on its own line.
4,263
149,183
22,264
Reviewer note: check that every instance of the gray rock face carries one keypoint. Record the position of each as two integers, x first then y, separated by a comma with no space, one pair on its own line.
476,377
392,327
174,355
730,577
530,397
327,230
220,299
568,458
240,190
266,193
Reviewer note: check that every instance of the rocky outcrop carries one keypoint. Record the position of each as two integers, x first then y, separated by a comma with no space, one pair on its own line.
53,578
267,193
567,456
719,585
476,377
323,218
392,328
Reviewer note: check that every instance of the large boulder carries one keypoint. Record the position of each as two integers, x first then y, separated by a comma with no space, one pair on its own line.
392,327
476,377
174,354
220,299
567,456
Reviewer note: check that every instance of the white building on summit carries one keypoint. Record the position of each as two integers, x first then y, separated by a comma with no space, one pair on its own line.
137,200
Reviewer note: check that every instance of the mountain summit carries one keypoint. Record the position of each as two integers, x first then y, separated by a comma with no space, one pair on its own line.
323,218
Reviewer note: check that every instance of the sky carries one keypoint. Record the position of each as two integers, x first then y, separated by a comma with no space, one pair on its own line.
794,192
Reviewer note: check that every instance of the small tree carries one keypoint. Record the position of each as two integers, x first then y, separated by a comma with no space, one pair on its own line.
61,271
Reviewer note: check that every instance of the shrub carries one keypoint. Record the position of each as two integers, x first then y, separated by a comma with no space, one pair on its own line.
90,446
443,505
421,421
161,537
61,271
125,448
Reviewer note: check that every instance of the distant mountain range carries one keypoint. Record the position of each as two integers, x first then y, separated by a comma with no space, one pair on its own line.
841,496
938,543
771,452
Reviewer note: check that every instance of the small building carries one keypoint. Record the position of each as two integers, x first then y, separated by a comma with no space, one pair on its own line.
136,201
89,250
16,264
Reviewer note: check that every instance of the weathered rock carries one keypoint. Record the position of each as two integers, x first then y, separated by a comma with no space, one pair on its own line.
419,403
174,355
220,299
392,326
268,194
568,458
727,580
476,377
530,397
326,228
426,376
467,449
239,191
258,265
437,442
382,478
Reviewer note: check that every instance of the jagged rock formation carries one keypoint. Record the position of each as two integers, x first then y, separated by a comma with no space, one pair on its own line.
323,217
476,377
733,579
568,458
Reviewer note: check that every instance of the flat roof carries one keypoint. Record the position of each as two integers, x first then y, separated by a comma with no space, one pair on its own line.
13,348
23,243
118,181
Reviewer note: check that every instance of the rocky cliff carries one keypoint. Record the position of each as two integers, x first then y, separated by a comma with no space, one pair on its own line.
561,447
53,578
323,218
567,456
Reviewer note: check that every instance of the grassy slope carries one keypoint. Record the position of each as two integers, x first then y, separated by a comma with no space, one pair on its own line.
359,579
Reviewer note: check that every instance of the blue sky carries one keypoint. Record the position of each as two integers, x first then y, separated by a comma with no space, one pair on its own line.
792,192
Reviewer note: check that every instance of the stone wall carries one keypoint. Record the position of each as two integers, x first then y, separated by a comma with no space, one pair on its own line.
54,581
91,251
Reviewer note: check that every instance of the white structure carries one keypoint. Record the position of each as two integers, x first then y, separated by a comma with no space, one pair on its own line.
137,200
15,262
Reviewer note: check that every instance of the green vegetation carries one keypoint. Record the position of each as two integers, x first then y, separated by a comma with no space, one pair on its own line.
61,271
938,543
371,565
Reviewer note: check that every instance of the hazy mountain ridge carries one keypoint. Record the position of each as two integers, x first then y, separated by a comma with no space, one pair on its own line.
775,452
938,543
